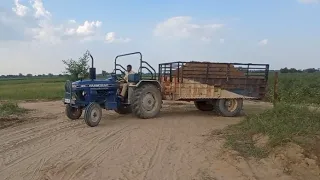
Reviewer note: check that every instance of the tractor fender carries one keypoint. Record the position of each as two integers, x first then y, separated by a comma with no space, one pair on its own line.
154,82
132,87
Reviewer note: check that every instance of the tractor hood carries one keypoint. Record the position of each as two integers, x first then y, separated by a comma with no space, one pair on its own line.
110,82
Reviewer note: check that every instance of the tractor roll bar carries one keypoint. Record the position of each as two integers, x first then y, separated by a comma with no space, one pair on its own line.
128,54
141,64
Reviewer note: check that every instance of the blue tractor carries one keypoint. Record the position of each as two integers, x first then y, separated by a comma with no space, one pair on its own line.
143,97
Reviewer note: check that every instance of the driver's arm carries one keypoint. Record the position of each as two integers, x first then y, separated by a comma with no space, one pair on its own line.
126,77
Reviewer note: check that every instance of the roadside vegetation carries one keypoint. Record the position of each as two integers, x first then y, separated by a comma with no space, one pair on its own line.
10,108
259,133
294,119
9,114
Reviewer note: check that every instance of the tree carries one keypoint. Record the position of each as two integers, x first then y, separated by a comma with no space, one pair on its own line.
291,70
284,70
76,68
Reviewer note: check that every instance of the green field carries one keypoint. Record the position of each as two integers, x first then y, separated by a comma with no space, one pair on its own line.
296,88
32,88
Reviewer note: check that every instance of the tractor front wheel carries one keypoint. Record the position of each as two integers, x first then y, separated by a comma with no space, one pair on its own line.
93,114
72,112
147,101
229,107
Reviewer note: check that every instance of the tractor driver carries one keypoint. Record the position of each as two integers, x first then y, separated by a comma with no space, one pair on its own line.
125,85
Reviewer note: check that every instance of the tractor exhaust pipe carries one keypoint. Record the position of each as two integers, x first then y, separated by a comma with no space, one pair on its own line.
92,70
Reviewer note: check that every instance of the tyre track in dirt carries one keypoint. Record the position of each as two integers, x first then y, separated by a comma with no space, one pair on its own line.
28,152
166,154
37,135
87,153
40,123
155,152
99,151
173,158
60,144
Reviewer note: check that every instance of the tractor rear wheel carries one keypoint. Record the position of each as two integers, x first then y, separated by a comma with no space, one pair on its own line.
72,112
229,107
204,105
93,114
147,101
122,109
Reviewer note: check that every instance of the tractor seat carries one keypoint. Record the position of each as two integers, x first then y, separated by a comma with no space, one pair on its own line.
134,78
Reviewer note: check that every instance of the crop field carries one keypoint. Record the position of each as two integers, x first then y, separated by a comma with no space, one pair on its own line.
296,88
32,88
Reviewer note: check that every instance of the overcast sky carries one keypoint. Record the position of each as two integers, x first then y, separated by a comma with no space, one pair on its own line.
36,35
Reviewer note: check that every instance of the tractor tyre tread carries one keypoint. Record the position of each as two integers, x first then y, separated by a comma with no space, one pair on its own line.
216,108
221,109
71,114
87,114
137,108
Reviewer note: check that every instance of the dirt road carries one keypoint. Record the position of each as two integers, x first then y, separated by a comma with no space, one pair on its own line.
173,146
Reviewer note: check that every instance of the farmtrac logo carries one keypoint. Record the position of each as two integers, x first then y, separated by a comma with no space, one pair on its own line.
96,85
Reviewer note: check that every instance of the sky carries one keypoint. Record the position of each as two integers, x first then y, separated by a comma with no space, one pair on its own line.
36,35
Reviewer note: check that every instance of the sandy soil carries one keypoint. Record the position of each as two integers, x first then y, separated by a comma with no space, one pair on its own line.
173,146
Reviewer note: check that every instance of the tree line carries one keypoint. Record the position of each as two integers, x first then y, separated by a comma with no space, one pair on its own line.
294,70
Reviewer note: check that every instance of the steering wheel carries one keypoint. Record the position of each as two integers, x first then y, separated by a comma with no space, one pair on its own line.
120,78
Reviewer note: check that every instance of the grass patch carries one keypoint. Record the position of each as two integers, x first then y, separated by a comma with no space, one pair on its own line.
32,89
11,108
9,114
281,124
